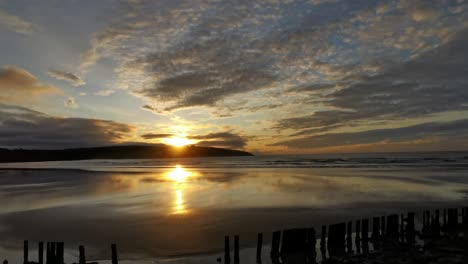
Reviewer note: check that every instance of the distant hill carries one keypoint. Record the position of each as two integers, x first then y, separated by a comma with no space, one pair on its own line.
116,152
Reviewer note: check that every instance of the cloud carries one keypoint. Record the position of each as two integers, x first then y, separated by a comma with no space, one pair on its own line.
71,102
67,76
221,139
218,139
420,10
450,131
15,23
19,86
156,136
105,92
433,82
22,127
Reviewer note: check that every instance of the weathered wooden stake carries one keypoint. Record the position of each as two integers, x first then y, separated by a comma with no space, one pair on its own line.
227,250
349,237
375,228
410,232
323,237
40,253
382,220
236,249
259,247
114,254
53,255
25,252
402,229
48,253
275,242
60,250
365,236
82,255
365,229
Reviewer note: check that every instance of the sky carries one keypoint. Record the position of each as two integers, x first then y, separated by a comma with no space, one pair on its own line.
266,76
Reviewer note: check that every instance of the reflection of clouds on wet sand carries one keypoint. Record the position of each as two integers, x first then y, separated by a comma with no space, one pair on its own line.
184,210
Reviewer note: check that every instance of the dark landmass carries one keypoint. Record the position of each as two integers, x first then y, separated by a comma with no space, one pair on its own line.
116,152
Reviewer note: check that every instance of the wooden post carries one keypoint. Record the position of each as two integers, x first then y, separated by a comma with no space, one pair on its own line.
349,238
40,253
365,236
259,247
275,242
323,237
82,255
445,218
382,220
60,251
375,228
358,236
236,249
53,256
410,232
402,229
365,229
114,254
25,252
311,253
48,260
465,217
227,249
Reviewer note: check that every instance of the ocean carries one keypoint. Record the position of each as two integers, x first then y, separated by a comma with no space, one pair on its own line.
179,210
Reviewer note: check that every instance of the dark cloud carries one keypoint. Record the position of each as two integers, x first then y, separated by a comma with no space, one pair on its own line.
450,131
66,76
156,136
18,85
434,82
21,127
221,139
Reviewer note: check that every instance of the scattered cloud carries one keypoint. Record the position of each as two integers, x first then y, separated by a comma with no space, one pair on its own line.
426,133
156,136
221,139
22,127
416,88
66,76
71,102
106,92
15,23
19,86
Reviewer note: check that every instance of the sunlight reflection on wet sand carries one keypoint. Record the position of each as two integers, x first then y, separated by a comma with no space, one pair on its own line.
179,209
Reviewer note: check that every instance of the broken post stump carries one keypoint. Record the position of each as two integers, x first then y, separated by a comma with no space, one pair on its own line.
227,250
275,242
82,259
114,254
40,253
259,247
25,252
236,249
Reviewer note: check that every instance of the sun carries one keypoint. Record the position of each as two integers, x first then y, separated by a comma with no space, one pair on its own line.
178,141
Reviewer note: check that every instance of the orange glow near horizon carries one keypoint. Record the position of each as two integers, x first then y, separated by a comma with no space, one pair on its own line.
178,141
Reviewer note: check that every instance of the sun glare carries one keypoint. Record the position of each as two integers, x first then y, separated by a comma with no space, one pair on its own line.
178,174
178,141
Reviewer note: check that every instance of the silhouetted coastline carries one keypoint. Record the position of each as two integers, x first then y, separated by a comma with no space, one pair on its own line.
116,152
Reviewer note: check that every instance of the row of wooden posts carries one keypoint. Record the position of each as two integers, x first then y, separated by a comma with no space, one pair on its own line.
55,252
385,230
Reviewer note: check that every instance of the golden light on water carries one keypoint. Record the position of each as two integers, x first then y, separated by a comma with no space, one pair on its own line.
179,176
179,205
